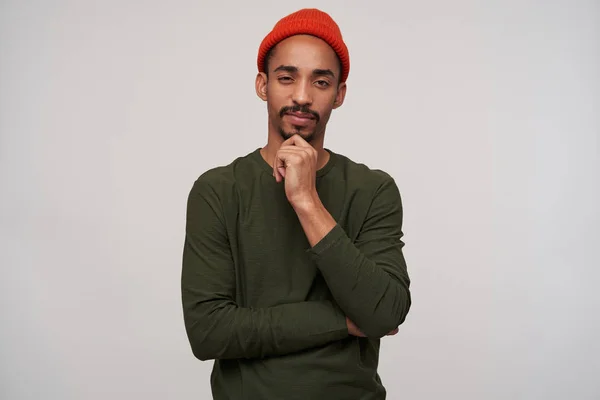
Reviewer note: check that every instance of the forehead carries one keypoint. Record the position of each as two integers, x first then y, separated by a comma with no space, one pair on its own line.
304,51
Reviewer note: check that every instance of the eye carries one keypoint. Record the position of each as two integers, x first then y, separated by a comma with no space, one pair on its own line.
284,79
322,83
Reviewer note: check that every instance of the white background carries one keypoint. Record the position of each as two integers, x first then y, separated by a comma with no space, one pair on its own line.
485,112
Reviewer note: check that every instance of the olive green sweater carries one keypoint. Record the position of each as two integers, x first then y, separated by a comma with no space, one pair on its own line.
269,309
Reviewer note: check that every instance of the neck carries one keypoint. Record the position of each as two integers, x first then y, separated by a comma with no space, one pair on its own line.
275,140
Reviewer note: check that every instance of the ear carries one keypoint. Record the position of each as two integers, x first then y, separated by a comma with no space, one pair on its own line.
261,85
340,96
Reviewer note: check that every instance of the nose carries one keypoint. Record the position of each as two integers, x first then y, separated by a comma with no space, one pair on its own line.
302,93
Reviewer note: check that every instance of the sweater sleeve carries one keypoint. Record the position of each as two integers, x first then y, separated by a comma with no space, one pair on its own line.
368,278
217,327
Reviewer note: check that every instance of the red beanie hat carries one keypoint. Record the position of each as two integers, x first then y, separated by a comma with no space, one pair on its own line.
308,21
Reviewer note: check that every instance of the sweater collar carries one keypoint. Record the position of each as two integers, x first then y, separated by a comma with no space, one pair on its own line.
321,172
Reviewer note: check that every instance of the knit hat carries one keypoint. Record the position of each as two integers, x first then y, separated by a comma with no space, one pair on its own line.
309,21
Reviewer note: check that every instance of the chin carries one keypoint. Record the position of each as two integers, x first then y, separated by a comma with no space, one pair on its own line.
308,136
291,131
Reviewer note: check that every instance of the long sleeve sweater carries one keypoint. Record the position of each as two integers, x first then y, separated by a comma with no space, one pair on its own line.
269,309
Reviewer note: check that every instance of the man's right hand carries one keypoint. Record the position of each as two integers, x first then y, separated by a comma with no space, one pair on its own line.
354,331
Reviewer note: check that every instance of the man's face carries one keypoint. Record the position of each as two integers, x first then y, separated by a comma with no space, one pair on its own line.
302,86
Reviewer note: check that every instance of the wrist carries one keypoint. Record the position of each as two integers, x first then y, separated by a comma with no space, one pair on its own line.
307,204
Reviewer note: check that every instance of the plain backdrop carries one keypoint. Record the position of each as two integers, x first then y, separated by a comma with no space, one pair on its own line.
487,114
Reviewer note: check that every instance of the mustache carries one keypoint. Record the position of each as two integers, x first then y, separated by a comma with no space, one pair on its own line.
299,109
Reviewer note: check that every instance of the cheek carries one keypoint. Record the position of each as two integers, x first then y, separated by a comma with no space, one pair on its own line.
326,108
275,102
273,110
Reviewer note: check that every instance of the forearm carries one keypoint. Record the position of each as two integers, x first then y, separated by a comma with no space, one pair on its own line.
374,299
370,296
221,329
316,221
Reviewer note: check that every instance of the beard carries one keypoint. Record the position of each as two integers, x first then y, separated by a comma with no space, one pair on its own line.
298,130
308,136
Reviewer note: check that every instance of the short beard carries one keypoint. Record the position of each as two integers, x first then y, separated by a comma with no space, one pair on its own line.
303,109
286,135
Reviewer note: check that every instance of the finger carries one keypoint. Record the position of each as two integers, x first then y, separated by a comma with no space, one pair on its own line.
281,172
296,140
283,159
288,156
278,168
292,154
357,332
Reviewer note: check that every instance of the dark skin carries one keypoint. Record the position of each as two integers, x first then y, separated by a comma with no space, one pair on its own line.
303,75
302,87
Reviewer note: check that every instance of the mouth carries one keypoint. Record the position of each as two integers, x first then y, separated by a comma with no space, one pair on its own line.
299,119
300,115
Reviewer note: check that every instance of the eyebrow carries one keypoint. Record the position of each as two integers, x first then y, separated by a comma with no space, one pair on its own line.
324,72
286,68
316,72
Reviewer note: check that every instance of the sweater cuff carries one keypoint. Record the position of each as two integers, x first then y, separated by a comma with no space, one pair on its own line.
335,234
340,322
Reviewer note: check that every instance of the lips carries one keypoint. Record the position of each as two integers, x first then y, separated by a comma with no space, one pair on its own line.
300,119
300,115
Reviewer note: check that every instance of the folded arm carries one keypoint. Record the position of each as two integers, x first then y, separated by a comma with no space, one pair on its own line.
217,327
368,278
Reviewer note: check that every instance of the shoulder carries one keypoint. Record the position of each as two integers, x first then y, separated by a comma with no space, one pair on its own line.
362,176
220,182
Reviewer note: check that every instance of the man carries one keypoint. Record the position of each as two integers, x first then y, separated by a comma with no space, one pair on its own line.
292,266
